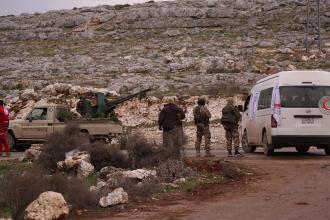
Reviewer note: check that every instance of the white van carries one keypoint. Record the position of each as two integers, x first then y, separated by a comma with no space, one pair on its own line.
288,109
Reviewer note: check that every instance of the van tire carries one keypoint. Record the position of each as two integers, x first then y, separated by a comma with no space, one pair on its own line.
327,150
245,144
302,149
268,148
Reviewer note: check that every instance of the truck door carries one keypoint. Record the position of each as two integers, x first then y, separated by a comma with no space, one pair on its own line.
36,124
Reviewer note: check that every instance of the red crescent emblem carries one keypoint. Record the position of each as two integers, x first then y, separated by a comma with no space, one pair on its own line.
325,104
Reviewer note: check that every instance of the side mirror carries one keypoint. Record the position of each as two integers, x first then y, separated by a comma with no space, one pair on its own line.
30,119
240,108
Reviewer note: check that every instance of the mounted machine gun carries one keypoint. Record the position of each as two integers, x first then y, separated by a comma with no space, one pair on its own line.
100,107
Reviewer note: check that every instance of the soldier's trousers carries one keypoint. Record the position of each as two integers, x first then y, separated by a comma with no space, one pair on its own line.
232,135
203,130
173,141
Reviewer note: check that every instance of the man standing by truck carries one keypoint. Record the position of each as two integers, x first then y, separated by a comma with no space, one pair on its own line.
202,120
170,122
4,124
230,118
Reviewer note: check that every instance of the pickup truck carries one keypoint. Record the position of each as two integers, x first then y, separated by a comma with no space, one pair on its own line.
43,121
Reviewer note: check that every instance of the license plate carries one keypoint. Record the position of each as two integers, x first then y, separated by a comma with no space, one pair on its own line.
307,120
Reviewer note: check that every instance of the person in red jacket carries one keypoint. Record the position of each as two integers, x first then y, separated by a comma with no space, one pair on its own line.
4,124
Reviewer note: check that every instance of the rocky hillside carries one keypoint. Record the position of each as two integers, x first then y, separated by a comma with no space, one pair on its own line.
186,47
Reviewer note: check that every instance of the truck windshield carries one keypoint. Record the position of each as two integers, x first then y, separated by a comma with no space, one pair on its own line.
302,96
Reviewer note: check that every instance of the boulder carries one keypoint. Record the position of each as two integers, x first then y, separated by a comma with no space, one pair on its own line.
139,174
85,169
33,153
105,171
73,160
48,206
116,197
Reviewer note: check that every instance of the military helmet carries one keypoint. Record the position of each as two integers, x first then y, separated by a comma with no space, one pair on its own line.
201,101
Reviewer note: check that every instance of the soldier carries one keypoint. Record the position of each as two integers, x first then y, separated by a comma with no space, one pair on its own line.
202,120
4,124
170,122
230,118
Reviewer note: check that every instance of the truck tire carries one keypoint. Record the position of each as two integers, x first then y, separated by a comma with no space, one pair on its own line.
268,148
302,149
327,150
12,140
245,144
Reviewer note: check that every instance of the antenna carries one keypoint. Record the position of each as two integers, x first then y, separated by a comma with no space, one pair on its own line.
313,27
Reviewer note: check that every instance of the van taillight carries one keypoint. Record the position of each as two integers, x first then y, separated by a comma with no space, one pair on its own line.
273,122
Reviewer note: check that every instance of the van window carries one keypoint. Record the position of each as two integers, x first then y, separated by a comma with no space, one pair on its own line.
265,98
247,102
302,96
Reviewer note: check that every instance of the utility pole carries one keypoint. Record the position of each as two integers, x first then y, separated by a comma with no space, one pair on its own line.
313,26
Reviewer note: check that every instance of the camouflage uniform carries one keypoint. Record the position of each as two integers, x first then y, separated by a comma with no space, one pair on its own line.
232,135
229,120
201,118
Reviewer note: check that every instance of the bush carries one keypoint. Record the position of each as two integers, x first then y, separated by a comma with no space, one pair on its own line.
17,191
59,143
103,155
141,153
171,170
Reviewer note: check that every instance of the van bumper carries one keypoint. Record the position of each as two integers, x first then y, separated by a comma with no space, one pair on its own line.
298,140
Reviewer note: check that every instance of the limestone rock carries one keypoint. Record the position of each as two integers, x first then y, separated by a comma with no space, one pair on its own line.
85,169
139,174
73,160
48,206
116,197
33,153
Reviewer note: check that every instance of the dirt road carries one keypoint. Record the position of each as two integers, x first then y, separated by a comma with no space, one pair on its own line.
291,186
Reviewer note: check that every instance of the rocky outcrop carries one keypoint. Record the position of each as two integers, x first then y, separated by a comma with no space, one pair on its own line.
116,197
48,206
85,169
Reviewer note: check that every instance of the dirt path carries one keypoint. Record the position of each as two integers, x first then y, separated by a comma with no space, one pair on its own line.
292,187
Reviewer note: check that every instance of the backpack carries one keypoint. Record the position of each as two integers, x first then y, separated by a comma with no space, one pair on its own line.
228,116
199,119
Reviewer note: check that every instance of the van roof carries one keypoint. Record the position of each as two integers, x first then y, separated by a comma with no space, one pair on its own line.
297,77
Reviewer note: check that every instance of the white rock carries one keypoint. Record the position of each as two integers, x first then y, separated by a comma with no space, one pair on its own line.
48,206
29,94
33,153
85,169
304,58
180,52
139,174
116,197
73,160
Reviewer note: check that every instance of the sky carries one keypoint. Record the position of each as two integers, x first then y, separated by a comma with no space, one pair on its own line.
30,6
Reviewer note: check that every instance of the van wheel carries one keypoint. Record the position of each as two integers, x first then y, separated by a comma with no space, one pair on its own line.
268,148
302,149
245,144
327,150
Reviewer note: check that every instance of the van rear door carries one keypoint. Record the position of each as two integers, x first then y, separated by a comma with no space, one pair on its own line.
301,110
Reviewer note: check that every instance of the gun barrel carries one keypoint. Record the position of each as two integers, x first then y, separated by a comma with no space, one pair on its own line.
112,104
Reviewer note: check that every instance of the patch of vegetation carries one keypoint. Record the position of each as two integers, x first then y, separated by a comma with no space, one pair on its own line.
17,190
8,166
